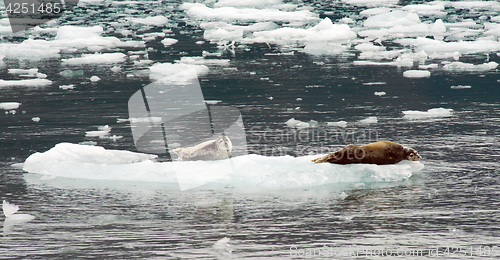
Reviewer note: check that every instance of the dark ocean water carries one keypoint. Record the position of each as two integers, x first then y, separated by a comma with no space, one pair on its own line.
450,209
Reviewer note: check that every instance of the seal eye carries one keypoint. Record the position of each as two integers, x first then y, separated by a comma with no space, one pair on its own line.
413,157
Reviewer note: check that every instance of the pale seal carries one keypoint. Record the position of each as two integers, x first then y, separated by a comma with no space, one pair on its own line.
217,149
383,152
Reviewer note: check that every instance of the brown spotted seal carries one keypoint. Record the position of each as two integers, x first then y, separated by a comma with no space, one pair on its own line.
383,152
217,149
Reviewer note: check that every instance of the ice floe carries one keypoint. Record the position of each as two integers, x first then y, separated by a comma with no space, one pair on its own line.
152,20
169,41
434,112
97,58
416,74
10,212
368,120
94,162
293,123
338,124
461,87
161,70
25,83
9,105
94,78
202,11
461,66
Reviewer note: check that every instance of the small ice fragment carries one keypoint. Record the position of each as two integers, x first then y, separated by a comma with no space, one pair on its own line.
94,78
223,245
460,87
41,75
115,137
212,102
296,124
434,112
339,124
380,93
374,83
25,83
36,119
299,99
369,120
416,74
169,41
65,87
10,209
9,105
116,69
102,132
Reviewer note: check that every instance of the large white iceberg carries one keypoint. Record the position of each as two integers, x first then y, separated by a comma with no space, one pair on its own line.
93,162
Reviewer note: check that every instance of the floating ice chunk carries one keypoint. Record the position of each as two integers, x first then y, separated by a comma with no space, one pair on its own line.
97,58
374,83
35,119
369,47
116,69
78,32
416,74
25,83
103,132
399,62
82,154
379,93
436,46
169,41
29,50
93,162
460,87
393,18
222,246
24,72
201,11
461,66
374,11
247,3
9,105
161,70
293,123
323,32
338,124
428,10
94,78
203,61
483,5
154,20
369,120
371,2
323,48
429,66
9,210
151,36
434,112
